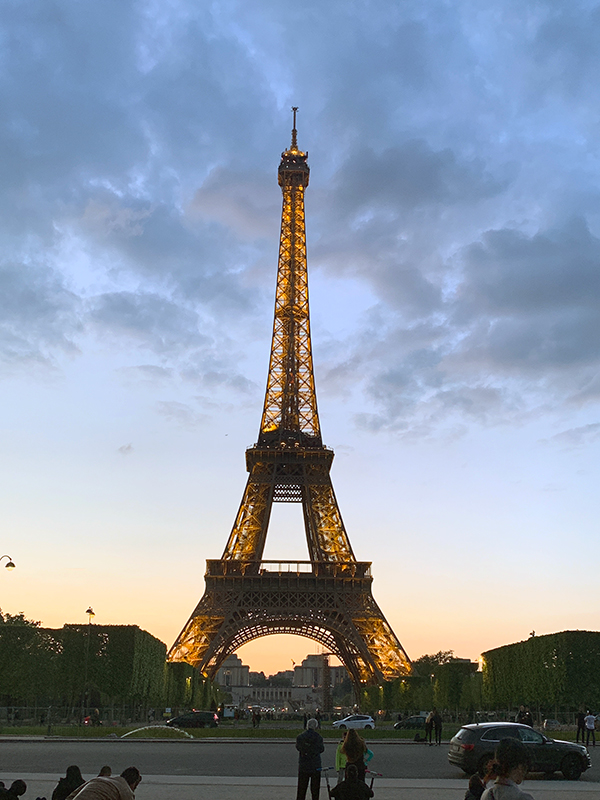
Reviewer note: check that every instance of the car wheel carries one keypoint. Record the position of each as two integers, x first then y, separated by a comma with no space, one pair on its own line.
571,767
342,727
369,727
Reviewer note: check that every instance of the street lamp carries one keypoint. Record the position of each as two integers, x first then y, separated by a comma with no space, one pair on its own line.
84,699
9,564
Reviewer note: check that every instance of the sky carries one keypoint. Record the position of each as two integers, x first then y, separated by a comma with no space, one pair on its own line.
453,229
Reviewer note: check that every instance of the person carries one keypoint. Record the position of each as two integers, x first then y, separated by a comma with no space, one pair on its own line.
590,729
105,772
121,787
476,787
478,782
528,719
429,728
72,780
581,725
351,788
355,750
318,718
95,718
340,760
437,725
309,745
521,715
511,765
16,789
304,720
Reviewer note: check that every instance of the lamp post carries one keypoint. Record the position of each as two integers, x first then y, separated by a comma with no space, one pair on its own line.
84,698
10,564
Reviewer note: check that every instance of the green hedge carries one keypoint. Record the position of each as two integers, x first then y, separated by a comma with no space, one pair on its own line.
559,670
124,663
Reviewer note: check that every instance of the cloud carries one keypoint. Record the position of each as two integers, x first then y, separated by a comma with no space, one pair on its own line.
125,449
578,437
39,316
407,177
181,414
148,373
248,204
157,323
453,178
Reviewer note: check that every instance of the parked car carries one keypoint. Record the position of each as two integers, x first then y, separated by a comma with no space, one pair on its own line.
354,721
195,719
551,725
411,723
474,745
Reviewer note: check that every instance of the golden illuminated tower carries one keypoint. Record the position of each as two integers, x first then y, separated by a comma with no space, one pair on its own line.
327,598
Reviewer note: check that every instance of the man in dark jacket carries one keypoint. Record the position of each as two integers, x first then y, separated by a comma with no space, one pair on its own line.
309,745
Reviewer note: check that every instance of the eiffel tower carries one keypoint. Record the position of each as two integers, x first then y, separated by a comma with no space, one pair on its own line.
328,598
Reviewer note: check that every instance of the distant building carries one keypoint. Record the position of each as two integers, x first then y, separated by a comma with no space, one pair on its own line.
233,673
310,673
304,694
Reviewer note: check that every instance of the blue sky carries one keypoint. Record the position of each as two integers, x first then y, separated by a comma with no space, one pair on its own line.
453,222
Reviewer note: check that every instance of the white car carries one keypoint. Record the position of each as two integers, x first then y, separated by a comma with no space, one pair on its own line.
355,721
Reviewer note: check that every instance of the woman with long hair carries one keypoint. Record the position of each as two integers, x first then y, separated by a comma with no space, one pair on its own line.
355,750
72,780
511,766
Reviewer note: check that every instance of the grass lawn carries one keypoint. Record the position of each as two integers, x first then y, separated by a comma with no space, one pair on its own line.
230,730
224,731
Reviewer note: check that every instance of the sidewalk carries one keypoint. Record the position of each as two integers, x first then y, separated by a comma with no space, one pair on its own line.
195,787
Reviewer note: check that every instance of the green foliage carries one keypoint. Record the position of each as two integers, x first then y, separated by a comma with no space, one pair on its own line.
427,665
18,619
122,662
28,662
258,679
450,678
185,687
557,670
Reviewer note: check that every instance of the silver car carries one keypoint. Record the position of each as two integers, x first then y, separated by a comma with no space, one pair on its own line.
355,721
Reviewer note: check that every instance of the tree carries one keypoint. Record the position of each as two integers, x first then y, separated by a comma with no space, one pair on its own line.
18,619
428,664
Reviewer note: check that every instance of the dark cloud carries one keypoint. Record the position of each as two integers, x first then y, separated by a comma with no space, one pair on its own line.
39,316
407,177
155,322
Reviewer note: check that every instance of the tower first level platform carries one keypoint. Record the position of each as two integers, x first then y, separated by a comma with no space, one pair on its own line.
329,602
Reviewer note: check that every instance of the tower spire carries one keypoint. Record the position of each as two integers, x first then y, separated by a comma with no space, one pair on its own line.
294,131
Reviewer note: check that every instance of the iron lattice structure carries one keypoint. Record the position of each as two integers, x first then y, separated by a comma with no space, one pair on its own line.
328,598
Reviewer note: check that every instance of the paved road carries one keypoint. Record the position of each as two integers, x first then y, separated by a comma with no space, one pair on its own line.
246,758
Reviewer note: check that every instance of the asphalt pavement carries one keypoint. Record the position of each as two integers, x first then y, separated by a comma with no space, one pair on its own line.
201,769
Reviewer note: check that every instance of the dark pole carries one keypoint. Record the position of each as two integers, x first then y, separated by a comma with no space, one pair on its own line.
84,698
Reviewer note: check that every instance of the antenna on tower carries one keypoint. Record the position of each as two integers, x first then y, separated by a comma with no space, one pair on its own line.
294,131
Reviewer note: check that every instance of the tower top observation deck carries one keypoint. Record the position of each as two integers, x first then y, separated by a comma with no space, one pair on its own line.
294,170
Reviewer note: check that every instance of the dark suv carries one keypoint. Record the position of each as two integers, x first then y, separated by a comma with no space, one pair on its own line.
412,723
195,719
474,745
